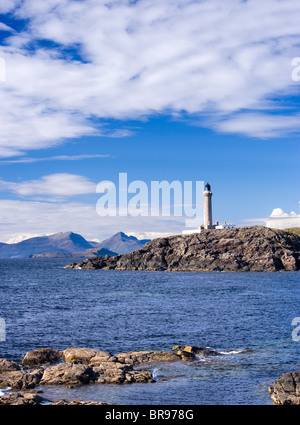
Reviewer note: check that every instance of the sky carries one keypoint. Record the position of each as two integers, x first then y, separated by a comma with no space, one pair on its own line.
161,90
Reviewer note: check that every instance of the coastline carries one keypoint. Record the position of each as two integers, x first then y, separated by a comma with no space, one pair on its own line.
247,249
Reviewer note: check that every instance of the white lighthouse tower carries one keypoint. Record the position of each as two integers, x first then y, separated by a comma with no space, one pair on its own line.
207,215
208,222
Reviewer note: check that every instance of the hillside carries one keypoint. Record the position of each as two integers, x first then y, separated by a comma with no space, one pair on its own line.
245,249
294,230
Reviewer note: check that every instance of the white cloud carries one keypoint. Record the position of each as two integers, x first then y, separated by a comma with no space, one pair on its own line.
278,219
41,218
8,5
60,184
281,220
260,124
212,59
22,237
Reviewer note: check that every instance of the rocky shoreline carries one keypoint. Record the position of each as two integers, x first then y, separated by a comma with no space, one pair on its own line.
76,366
247,249
81,366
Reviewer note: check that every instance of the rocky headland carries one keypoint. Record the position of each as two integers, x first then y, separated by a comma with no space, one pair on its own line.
247,249
81,366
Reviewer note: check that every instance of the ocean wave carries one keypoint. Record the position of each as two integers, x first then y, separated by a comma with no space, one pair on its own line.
201,358
235,351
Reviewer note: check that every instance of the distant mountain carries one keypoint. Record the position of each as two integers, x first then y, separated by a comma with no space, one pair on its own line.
122,244
67,242
68,245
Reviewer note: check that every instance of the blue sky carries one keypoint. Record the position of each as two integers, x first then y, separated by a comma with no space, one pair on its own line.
198,91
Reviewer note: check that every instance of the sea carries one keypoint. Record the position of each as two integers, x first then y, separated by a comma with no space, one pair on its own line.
247,317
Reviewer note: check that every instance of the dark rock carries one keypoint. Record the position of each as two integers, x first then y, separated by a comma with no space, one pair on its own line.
66,374
286,389
42,356
188,352
20,379
8,366
254,249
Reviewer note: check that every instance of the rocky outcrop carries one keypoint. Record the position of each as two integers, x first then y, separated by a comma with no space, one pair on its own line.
143,357
118,373
86,355
99,373
73,366
189,352
21,399
253,249
7,366
78,366
286,389
66,374
20,379
79,403
42,356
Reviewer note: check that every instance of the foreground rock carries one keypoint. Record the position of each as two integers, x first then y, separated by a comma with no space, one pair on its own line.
8,366
66,374
42,356
254,249
143,357
73,366
87,355
34,399
286,389
100,373
21,399
20,379
79,403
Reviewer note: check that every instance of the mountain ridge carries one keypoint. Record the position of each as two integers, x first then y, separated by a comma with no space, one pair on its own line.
66,243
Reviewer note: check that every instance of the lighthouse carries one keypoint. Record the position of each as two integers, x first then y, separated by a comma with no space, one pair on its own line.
207,215
208,222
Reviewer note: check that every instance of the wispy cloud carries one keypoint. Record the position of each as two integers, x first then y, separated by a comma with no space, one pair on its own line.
262,125
4,27
29,160
59,184
225,62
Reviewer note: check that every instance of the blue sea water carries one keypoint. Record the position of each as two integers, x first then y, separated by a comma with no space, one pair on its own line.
46,305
